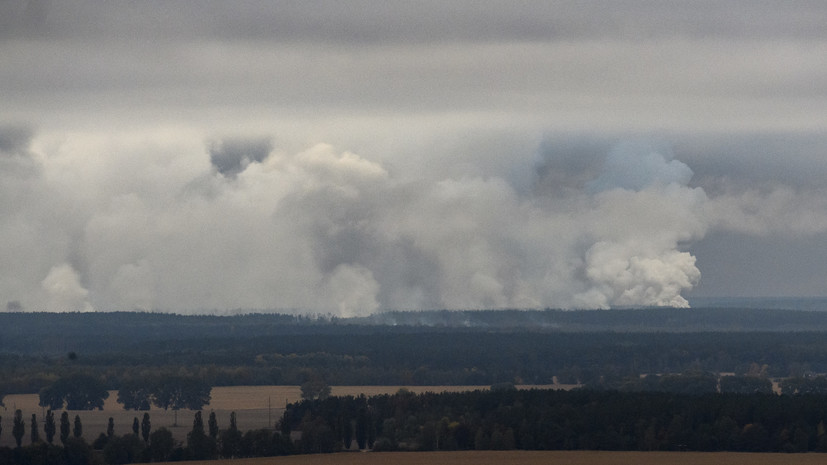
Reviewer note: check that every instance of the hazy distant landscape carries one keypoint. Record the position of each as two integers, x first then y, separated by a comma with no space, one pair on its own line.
766,303
59,333
477,231
727,378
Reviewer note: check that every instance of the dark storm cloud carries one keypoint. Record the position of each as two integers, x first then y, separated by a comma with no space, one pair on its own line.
568,162
231,156
15,157
15,140
767,159
771,260
597,162
720,162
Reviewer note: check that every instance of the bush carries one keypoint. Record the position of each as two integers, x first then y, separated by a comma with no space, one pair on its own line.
123,449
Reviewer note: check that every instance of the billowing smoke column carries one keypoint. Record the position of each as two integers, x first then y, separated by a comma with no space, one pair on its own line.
325,230
638,210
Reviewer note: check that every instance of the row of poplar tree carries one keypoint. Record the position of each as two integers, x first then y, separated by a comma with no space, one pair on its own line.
142,445
49,427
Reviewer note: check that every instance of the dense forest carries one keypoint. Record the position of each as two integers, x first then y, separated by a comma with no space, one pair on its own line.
38,349
580,419
455,357
502,418
58,333
736,379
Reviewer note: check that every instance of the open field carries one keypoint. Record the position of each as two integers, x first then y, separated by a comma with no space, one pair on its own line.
531,458
255,406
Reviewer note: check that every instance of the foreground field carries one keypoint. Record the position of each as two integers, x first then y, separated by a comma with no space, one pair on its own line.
255,406
531,458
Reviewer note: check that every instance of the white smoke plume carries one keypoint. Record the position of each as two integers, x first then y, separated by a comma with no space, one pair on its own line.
241,224
64,291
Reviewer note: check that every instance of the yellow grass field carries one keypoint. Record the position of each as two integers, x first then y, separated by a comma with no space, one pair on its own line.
255,406
532,458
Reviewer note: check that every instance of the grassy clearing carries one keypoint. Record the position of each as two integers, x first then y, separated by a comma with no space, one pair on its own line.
532,458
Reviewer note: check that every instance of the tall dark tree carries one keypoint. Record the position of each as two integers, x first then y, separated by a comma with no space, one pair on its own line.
64,427
49,427
213,426
19,428
284,424
110,428
199,445
77,429
198,423
146,426
35,432
136,426
362,427
346,429
231,439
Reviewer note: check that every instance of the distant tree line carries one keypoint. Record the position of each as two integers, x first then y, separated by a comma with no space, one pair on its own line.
385,356
204,442
81,391
692,381
76,392
501,418
126,332
580,419
700,382
42,450
166,392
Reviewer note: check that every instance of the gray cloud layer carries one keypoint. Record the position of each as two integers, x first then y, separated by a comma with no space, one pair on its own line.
353,157
607,64
404,21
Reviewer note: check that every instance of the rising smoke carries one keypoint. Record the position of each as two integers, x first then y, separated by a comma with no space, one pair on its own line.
248,226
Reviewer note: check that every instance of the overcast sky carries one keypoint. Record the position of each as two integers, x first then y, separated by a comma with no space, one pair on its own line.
353,157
